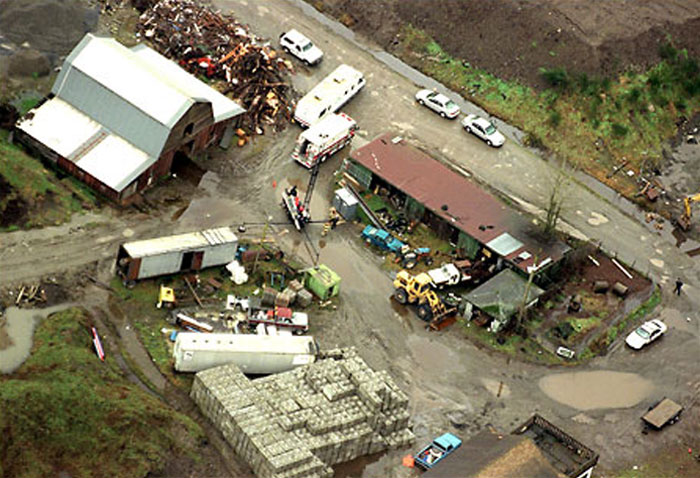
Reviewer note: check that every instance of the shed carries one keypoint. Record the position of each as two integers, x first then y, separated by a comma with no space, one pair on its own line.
179,253
322,281
502,295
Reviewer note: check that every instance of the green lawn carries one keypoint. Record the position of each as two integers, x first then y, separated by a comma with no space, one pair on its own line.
591,122
65,411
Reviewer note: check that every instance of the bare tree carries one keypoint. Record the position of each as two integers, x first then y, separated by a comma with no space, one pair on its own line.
555,201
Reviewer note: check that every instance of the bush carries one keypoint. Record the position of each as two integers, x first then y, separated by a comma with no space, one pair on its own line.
554,118
556,77
619,130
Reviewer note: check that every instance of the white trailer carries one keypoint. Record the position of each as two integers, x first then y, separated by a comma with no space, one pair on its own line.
254,354
329,96
180,253
447,275
323,139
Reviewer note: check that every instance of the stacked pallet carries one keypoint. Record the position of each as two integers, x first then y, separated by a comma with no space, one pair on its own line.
300,423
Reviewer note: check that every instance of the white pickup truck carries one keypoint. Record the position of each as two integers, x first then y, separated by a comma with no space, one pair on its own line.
450,274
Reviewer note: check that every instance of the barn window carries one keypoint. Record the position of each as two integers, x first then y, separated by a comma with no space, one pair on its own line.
188,129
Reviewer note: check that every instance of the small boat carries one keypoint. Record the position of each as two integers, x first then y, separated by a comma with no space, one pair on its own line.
98,345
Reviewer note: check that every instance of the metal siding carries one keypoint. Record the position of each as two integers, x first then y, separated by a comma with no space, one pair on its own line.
112,111
160,264
219,255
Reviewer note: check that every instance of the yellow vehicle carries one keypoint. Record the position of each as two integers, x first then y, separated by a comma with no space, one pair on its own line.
417,290
684,220
166,296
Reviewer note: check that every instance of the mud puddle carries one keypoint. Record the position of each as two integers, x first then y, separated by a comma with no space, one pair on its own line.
596,390
19,329
356,468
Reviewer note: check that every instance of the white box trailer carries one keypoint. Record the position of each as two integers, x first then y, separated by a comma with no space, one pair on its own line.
253,354
323,139
329,96
179,253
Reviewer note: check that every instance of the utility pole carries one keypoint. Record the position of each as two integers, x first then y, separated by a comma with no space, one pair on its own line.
523,304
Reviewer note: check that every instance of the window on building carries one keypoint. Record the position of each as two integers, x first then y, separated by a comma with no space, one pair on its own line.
188,129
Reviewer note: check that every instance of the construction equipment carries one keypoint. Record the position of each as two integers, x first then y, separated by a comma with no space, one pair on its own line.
166,296
418,290
297,209
684,219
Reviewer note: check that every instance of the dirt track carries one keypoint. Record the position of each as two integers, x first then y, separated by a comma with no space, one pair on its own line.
514,38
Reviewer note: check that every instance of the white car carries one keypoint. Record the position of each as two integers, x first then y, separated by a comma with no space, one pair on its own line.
646,333
439,103
482,128
301,47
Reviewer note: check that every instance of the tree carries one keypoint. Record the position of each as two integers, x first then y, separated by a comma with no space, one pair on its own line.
555,200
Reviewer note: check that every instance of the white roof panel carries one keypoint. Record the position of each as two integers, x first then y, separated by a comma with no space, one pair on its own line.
115,162
192,341
170,73
192,240
504,244
59,126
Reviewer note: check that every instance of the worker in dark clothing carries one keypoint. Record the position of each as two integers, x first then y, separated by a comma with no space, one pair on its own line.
679,286
293,191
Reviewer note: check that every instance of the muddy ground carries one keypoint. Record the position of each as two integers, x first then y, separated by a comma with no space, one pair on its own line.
513,39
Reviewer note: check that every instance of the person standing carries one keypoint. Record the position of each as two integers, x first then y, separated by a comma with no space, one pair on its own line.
679,286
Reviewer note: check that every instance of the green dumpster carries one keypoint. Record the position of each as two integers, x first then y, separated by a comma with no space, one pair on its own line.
322,281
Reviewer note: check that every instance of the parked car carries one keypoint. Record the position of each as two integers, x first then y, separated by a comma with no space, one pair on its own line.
301,47
483,129
646,333
382,239
439,103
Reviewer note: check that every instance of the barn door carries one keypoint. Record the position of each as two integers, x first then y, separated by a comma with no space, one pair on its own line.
197,260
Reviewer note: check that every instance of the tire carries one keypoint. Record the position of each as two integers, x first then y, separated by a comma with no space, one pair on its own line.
401,296
488,141
324,158
421,102
424,312
306,62
286,49
442,113
410,264
467,129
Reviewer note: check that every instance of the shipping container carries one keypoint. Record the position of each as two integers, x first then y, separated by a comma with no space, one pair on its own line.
179,253
323,282
253,354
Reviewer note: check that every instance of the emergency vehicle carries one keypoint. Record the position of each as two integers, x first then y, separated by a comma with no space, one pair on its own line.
323,139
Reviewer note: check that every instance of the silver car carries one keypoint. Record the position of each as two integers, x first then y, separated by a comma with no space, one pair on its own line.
439,103
483,129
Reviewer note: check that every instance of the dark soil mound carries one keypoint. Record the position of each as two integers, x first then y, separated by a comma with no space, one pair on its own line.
515,38
13,209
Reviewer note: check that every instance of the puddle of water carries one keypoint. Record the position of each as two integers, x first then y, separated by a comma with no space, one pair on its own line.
596,390
357,467
19,327
402,310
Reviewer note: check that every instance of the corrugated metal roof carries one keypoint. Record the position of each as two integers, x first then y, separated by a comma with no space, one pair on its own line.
94,149
459,201
503,294
180,242
137,94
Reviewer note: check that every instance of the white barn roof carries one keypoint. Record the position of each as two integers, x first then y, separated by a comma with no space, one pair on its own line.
180,242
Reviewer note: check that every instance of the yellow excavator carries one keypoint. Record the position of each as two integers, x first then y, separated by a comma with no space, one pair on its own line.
684,219
410,289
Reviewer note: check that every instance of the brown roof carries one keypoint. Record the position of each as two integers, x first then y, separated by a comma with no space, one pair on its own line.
458,200
490,455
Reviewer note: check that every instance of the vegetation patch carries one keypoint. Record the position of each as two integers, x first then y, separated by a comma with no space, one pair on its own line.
64,411
594,123
31,195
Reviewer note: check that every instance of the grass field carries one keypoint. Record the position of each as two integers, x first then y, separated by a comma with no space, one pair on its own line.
65,411
595,123
33,196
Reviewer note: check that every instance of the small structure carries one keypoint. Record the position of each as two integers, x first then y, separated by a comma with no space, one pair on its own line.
457,209
253,354
322,281
502,296
298,424
537,449
346,204
117,117
180,253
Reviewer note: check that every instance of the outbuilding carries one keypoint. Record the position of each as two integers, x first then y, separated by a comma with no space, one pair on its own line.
179,253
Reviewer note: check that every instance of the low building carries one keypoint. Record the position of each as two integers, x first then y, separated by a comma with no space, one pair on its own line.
536,449
457,209
297,424
117,117
179,253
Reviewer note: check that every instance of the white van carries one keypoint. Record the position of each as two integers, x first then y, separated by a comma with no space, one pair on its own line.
329,96
323,139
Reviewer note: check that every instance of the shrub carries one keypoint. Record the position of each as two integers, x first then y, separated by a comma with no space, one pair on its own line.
556,77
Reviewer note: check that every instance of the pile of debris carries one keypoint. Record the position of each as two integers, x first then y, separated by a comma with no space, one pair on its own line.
215,45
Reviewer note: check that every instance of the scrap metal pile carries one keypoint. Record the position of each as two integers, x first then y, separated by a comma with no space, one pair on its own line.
215,45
